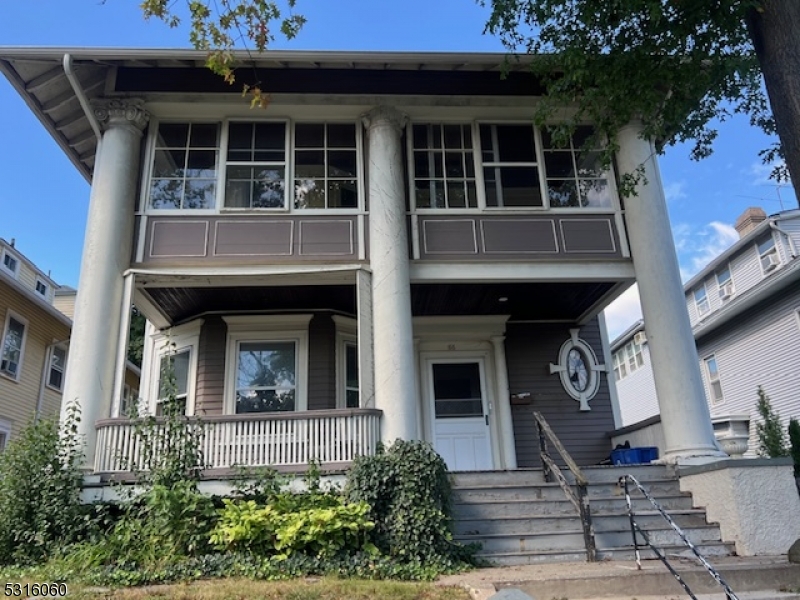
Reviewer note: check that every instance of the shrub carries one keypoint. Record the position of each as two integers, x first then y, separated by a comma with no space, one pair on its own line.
794,444
408,488
40,486
771,437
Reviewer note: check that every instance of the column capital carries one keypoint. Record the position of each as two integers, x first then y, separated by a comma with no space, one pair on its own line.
385,115
127,113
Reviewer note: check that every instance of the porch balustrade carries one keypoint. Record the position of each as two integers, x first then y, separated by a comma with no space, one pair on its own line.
332,437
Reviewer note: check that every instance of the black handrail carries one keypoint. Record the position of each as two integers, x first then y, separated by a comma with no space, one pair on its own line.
550,468
661,556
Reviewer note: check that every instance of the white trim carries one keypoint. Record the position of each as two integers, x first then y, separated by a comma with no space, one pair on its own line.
346,334
13,256
10,314
267,328
555,270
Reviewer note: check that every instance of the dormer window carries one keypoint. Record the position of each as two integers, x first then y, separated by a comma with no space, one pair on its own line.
725,284
701,300
10,263
768,255
42,288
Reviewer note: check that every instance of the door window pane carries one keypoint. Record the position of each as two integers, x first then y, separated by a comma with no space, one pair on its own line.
457,390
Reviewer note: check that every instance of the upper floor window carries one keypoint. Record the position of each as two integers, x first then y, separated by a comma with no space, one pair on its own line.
5,434
58,363
701,300
173,381
714,383
9,263
574,175
13,345
627,359
504,165
264,164
41,288
768,255
725,284
184,172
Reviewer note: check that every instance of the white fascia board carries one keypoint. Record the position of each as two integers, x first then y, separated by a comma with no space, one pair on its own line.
552,272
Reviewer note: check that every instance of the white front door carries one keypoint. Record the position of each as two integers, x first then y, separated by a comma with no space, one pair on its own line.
457,389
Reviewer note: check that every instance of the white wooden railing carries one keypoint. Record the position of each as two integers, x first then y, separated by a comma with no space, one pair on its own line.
275,439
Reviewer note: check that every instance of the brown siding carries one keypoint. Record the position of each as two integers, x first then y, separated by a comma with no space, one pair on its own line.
18,398
530,348
210,389
321,363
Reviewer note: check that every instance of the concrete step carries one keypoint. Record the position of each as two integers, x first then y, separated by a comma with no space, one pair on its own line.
611,474
552,491
571,522
508,508
710,550
566,539
492,478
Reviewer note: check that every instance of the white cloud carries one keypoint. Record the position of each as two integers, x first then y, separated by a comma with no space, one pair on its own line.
761,173
675,191
623,312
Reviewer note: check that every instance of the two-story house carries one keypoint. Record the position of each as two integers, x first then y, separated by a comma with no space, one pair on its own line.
33,343
744,310
391,249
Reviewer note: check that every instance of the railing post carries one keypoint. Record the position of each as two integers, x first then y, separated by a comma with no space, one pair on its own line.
586,523
548,475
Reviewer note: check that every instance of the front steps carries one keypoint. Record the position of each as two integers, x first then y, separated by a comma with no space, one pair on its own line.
519,519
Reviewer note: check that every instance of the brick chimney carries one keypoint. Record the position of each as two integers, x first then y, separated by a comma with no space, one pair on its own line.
749,220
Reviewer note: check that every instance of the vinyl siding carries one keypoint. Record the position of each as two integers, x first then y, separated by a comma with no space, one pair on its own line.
530,348
18,398
637,392
65,304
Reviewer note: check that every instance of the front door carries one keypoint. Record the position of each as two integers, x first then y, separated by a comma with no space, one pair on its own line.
461,419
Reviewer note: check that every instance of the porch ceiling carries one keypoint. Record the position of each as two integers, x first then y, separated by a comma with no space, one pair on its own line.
525,301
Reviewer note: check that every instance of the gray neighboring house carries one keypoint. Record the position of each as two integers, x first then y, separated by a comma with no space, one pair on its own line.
744,308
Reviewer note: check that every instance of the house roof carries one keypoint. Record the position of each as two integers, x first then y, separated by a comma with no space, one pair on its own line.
626,335
28,261
40,75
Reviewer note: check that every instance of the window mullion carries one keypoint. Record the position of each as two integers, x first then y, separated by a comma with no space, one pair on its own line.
222,168
477,161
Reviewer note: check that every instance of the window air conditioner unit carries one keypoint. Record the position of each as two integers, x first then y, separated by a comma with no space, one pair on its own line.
770,261
726,290
640,338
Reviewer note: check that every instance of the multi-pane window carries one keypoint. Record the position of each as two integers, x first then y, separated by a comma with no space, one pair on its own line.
510,168
266,376
185,166
255,174
10,263
627,359
58,362
444,166
701,300
725,284
768,255
11,350
351,375
325,165
173,381
575,177
714,383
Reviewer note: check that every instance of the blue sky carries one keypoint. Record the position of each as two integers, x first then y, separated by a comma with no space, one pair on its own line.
43,199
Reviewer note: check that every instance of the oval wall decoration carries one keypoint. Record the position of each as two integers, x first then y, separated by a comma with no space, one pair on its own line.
578,369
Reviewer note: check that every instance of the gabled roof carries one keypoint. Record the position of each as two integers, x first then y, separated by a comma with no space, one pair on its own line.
40,77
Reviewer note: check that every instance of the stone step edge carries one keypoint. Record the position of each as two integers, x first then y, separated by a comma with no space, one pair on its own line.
673,552
552,484
497,536
591,499
602,514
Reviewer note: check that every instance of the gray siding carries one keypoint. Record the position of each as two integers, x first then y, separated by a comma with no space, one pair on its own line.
530,348
210,390
637,392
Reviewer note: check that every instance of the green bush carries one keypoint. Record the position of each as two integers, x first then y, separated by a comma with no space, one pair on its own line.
408,488
40,487
771,437
794,444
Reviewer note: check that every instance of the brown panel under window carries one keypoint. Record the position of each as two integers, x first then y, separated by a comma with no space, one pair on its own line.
452,236
178,238
588,235
521,236
253,238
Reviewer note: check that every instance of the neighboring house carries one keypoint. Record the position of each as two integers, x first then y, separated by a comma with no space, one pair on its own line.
390,250
33,343
744,308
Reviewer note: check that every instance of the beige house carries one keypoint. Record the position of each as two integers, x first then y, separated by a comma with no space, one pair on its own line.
33,344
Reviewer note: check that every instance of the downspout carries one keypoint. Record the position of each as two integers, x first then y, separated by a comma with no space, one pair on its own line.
45,368
83,100
792,247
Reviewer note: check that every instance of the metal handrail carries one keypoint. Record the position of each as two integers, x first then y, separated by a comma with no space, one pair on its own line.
550,468
661,556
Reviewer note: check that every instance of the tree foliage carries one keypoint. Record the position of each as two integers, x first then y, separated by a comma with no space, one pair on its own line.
220,26
675,65
771,436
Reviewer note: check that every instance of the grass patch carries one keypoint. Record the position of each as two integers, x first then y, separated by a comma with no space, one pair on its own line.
299,589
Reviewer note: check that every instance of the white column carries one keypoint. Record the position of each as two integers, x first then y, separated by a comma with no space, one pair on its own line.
366,377
505,420
107,250
393,345
676,369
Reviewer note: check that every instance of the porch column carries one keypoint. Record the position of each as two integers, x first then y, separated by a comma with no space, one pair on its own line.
676,368
505,419
393,346
106,255
366,379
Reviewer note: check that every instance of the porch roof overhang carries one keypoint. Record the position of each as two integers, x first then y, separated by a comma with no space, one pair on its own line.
39,76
